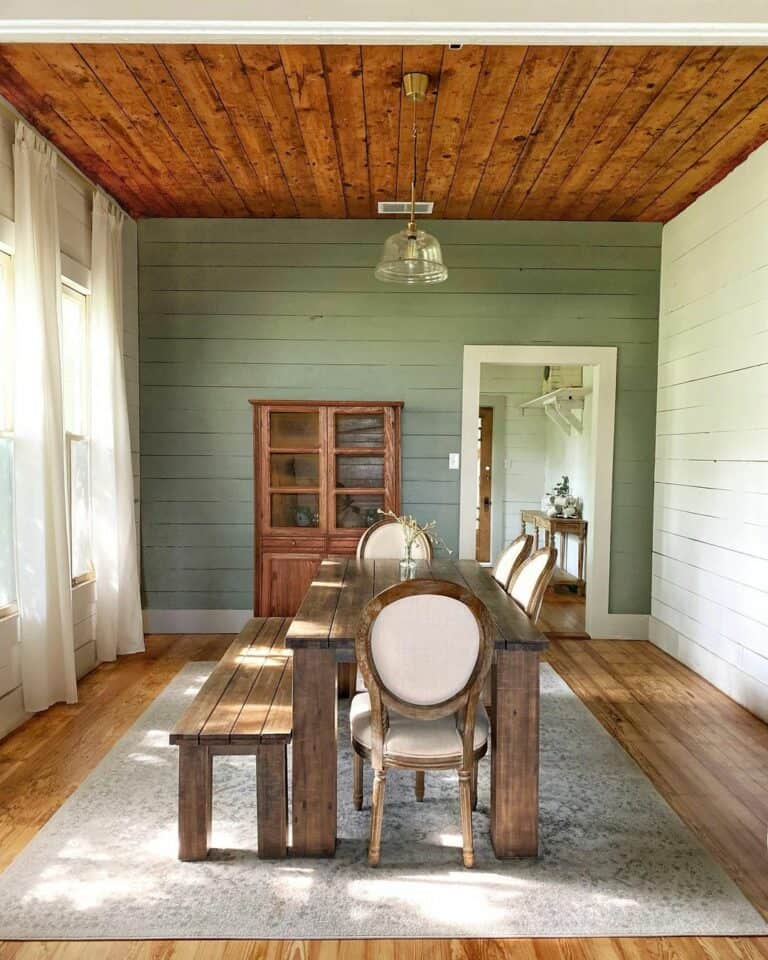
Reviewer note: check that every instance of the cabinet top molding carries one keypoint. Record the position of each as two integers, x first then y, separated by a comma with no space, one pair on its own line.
328,403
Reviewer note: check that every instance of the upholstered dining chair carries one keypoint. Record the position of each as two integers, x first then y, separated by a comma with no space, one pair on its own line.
425,648
515,554
529,583
383,540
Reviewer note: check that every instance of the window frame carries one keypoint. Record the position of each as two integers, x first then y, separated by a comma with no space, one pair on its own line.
6,408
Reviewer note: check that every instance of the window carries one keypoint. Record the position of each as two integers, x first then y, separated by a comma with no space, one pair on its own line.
7,538
75,378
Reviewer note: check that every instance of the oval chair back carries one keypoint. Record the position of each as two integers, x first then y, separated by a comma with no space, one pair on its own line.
511,558
384,540
528,585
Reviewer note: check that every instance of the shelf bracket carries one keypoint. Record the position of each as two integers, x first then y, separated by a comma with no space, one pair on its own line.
557,418
564,410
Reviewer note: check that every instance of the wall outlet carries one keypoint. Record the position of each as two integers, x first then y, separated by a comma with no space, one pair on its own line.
453,461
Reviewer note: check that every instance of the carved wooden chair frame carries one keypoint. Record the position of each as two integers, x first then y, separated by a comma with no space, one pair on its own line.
464,704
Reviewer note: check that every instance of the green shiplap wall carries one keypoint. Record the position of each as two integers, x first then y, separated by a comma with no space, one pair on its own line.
234,309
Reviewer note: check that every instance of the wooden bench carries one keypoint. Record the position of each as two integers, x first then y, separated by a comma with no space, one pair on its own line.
244,707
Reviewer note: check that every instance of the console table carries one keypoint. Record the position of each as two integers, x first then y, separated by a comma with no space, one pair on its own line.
565,527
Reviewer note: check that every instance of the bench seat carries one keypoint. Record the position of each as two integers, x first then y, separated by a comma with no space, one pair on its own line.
244,707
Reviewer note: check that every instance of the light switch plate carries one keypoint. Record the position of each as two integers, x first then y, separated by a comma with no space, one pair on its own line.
453,461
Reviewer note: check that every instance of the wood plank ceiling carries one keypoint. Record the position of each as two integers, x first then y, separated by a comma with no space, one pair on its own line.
565,133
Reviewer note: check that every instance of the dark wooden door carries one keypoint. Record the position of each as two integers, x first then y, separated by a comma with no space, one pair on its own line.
485,453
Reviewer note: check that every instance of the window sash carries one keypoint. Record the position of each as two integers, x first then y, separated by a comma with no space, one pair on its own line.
79,506
75,366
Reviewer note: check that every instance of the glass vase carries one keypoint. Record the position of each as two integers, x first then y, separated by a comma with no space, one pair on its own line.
407,563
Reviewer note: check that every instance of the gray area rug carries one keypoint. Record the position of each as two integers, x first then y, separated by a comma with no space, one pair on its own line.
616,860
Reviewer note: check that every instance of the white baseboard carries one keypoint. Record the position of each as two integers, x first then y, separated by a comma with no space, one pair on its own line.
618,626
195,621
12,712
739,686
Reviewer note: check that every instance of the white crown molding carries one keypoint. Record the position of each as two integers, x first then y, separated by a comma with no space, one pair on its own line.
384,31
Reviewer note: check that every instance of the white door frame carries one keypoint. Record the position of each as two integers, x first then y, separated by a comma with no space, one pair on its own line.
599,621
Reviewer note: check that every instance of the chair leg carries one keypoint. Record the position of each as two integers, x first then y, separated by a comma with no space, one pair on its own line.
474,784
357,780
419,786
377,815
465,802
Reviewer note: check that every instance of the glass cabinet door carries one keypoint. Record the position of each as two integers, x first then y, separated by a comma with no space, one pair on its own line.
294,470
358,447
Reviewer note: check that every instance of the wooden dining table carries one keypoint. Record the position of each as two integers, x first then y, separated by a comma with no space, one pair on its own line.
323,634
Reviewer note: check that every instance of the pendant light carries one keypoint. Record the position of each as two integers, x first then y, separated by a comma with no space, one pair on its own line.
412,255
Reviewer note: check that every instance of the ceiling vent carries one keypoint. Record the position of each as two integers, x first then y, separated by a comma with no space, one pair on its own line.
403,207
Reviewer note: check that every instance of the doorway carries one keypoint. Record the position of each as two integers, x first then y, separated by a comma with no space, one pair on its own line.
484,483
598,481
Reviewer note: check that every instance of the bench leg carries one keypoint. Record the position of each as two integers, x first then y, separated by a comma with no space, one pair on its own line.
195,801
272,800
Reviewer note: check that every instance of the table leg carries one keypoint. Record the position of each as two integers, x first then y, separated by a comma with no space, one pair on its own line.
515,754
314,753
582,545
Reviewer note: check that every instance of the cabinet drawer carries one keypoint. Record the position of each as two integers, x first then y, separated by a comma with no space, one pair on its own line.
290,543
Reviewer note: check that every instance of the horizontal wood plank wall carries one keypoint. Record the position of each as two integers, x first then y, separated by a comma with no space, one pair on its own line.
524,439
710,563
233,309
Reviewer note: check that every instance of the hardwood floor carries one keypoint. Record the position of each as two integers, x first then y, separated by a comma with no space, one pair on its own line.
562,616
706,755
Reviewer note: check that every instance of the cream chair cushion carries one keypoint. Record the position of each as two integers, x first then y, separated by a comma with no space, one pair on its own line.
408,738
506,562
523,586
424,647
387,543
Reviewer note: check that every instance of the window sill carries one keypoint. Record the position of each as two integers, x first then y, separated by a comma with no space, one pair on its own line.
83,581
9,612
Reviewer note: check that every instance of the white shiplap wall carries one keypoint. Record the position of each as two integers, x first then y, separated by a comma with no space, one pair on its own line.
75,199
710,564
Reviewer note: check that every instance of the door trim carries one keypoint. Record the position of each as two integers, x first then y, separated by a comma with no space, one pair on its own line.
599,621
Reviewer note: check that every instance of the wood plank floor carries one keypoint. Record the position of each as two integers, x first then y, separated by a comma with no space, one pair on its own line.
706,755
562,616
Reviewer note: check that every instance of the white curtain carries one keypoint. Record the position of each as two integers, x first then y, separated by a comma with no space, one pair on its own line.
43,579
115,560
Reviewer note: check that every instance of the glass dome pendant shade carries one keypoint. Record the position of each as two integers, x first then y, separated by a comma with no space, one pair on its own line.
412,255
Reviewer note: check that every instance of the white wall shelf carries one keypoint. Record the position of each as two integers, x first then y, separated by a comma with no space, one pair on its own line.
559,406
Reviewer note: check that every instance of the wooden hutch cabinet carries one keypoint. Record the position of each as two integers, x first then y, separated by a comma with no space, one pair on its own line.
321,471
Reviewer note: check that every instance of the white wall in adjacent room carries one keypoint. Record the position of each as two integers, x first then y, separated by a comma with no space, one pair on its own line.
710,563
524,456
